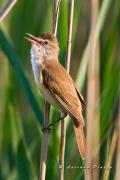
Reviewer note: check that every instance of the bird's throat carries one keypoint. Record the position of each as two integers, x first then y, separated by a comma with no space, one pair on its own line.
35,68
37,59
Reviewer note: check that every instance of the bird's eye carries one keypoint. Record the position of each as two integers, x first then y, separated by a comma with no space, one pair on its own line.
46,42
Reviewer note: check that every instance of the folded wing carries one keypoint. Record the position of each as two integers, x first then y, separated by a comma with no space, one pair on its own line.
62,88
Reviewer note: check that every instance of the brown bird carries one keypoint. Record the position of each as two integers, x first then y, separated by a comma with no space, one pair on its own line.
55,83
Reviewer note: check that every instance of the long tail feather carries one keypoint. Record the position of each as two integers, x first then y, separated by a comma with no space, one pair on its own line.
81,142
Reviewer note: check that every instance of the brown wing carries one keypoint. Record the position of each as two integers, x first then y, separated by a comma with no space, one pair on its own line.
61,86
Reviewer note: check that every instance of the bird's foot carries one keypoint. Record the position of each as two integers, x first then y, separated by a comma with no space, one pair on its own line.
46,128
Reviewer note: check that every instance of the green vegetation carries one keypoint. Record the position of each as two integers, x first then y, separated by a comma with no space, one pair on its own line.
21,104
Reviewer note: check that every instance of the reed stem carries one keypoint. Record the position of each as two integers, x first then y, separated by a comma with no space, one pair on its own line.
93,96
63,122
6,9
44,146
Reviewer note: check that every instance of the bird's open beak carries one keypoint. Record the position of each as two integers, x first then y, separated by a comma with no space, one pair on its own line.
33,39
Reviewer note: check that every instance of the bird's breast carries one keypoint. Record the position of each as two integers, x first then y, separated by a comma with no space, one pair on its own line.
45,92
39,81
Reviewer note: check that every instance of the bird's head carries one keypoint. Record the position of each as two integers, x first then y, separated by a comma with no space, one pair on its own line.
45,47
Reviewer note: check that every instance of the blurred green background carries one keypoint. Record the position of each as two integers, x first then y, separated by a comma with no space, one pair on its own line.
21,104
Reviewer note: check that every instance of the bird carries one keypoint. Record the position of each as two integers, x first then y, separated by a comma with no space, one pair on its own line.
55,83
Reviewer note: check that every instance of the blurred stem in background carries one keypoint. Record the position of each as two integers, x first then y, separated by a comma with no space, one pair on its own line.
93,98
110,154
117,173
80,78
6,9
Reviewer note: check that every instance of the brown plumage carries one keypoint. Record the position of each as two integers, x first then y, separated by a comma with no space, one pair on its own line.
64,92
56,84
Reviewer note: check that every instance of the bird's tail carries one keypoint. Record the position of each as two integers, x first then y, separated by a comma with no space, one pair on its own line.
81,142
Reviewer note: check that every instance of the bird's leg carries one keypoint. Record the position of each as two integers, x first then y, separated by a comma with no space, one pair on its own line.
51,124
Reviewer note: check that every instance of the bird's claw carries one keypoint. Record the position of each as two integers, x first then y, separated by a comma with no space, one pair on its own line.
46,128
